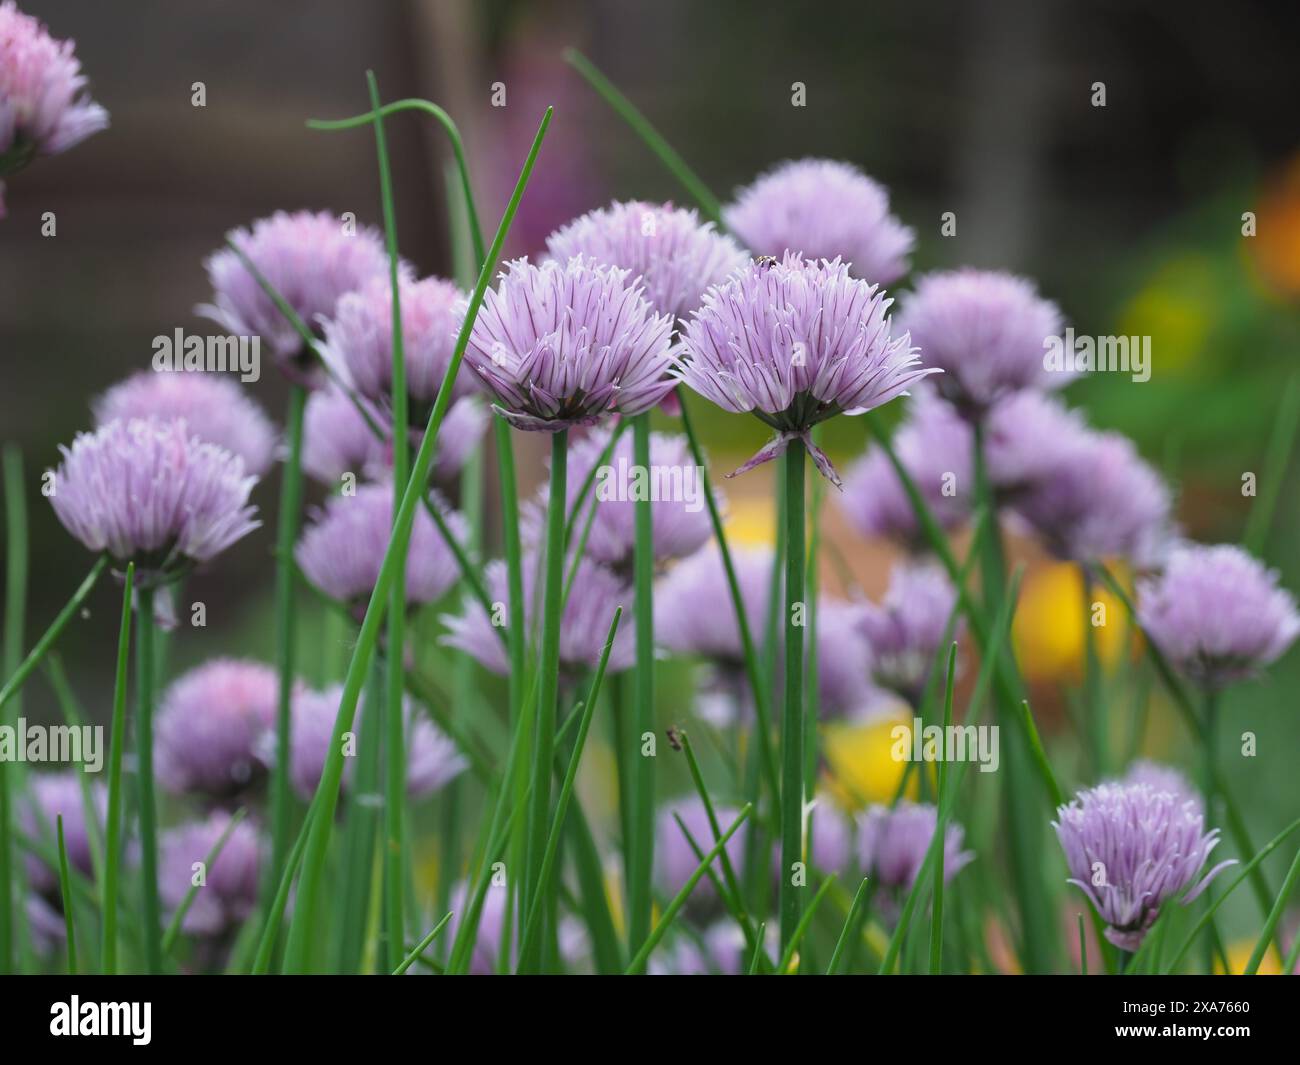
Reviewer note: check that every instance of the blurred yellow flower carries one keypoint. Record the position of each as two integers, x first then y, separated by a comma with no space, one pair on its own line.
1239,954
862,769
1172,308
750,520
1048,629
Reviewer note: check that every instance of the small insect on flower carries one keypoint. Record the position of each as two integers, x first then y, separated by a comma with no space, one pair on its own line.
148,491
822,209
43,110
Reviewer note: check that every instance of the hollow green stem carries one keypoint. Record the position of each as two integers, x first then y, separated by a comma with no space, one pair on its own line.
65,891
144,685
116,744
792,723
285,572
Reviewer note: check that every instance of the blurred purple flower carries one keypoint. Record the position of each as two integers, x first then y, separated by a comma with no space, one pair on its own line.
1217,613
823,209
934,446
676,860
342,551
596,593
50,795
43,110
562,344
667,250
1028,436
987,331
905,629
892,843
1096,499
227,892
359,339
210,726
796,342
1159,777
148,490
215,409
1130,848
676,488
843,655
311,259
432,758
694,614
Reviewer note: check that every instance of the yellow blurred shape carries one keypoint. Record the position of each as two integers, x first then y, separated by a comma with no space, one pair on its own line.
861,762
1049,625
1172,310
1239,954
750,521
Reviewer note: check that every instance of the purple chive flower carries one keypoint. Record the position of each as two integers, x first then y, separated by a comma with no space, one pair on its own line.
1217,613
1130,848
674,484
668,251
227,894
823,209
842,659
892,843
342,552
337,440
694,614
987,331
1097,499
311,259
676,860
359,339
1028,436
148,490
720,951
432,759
796,342
210,726
906,628
934,446
49,796
1160,777
43,110
494,923
563,344
596,593
215,409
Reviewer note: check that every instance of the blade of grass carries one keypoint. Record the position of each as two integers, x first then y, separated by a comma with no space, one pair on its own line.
848,931
318,842
422,946
625,109
65,891
679,900
936,908
147,812
116,744
801,929
1281,446
394,739
1275,915
1208,916
530,940
52,634
756,957
275,911
214,852
641,821
16,561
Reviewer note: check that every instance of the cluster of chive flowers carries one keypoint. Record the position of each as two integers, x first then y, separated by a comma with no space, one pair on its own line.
788,320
